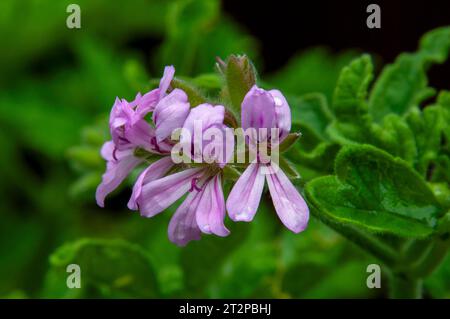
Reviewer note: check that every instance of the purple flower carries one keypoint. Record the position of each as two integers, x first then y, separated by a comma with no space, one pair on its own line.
203,210
267,109
127,125
170,114
203,142
130,130
206,141
119,164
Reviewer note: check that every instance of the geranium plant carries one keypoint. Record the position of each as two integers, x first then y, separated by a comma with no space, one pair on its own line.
374,164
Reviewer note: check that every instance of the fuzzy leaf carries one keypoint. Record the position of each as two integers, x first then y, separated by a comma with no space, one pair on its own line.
310,112
349,103
320,158
350,94
403,84
375,192
395,137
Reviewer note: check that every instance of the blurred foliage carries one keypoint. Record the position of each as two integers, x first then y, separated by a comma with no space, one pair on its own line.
57,88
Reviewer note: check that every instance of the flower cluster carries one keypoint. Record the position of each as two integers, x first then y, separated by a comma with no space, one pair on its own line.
136,141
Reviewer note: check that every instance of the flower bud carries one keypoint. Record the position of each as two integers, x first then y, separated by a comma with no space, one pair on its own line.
240,76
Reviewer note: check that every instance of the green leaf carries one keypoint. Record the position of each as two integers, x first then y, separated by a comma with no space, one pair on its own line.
352,123
426,126
400,86
444,99
403,84
377,193
320,158
395,137
442,172
442,193
109,268
435,45
349,99
310,112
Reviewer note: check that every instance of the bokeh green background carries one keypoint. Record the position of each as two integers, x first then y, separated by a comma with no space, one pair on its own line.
57,87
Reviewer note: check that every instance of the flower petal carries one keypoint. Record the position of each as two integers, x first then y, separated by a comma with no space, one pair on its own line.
167,77
244,198
211,209
170,113
205,116
147,103
156,170
258,109
107,150
161,193
289,204
116,171
282,113
122,115
183,225
218,145
140,135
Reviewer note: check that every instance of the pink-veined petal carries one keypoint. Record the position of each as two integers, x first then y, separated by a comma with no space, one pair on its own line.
183,225
170,113
205,116
156,170
117,170
289,204
140,135
161,193
211,209
258,109
244,198
147,104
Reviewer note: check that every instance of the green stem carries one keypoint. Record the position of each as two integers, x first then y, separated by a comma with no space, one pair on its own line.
405,287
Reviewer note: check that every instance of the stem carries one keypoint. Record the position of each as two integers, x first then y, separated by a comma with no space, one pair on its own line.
409,284
404,287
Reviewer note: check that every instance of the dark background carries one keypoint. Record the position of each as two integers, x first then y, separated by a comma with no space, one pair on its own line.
285,27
